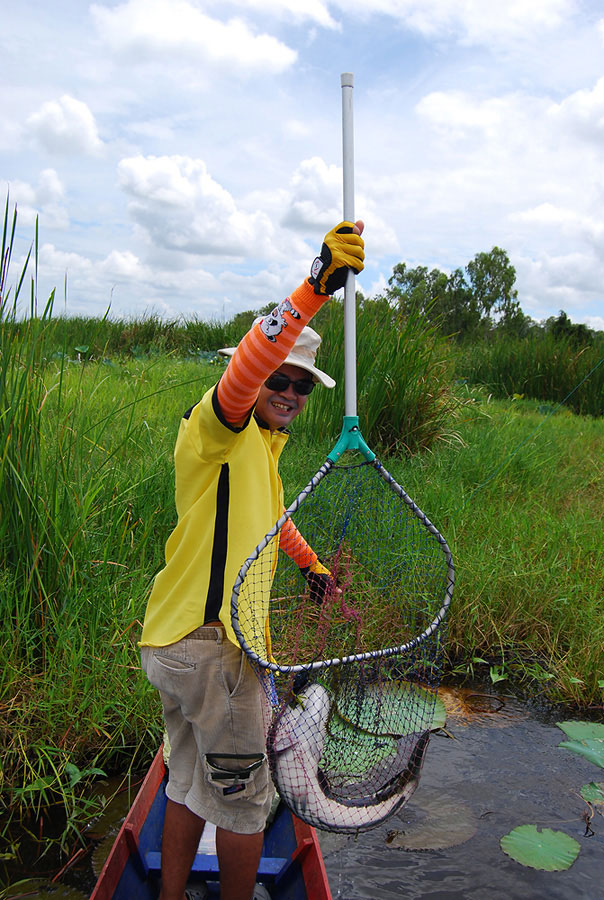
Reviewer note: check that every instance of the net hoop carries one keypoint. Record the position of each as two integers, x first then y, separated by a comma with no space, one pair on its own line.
356,657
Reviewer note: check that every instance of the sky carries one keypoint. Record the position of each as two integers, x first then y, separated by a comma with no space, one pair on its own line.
183,157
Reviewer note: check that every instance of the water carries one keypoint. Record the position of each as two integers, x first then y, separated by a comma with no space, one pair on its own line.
498,773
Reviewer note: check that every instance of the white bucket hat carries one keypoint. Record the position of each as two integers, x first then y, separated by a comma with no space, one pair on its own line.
303,354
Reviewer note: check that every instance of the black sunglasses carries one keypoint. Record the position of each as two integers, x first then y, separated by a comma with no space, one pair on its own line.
280,382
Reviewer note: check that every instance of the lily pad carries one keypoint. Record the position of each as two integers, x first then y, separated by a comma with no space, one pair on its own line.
586,739
582,731
393,708
591,750
548,850
594,793
351,750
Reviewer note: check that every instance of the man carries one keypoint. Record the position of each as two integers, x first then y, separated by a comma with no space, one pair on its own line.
228,496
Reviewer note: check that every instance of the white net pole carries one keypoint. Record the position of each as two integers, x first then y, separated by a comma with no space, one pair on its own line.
350,375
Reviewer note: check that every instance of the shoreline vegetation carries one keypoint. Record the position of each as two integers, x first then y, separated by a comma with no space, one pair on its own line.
476,434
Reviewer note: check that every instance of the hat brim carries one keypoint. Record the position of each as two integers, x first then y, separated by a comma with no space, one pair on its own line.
295,360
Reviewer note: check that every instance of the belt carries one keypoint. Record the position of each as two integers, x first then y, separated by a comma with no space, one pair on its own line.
206,632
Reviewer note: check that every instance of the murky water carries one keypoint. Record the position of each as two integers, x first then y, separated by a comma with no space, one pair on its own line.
498,770
504,771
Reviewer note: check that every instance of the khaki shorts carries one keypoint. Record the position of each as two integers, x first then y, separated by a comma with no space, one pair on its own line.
214,710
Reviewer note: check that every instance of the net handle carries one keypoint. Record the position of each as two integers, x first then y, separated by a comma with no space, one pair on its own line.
350,375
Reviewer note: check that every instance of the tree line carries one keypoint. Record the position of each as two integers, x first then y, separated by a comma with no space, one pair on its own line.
479,300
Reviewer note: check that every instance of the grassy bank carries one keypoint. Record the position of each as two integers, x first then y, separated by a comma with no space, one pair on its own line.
527,544
521,503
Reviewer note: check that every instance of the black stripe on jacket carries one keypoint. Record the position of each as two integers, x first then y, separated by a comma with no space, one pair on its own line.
219,547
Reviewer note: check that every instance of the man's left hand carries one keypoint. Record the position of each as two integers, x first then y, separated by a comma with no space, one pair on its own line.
343,249
320,581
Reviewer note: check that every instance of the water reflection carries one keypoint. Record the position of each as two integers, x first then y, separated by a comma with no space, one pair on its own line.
502,776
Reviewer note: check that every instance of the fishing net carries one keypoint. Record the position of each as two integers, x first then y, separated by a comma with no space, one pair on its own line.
350,674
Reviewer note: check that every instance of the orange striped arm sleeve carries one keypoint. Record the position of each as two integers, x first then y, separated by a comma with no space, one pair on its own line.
292,543
299,551
258,355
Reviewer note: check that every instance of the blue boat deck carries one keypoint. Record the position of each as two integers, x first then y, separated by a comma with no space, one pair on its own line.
291,866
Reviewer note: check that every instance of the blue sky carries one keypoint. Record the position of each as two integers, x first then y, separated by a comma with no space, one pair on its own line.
184,156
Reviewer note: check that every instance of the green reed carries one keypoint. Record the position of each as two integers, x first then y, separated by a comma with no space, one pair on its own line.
542,366
72,602
86,503
81,336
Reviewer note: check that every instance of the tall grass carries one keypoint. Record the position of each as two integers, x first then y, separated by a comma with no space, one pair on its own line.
72,597
79,336
86,503
404,377
521,504
541,366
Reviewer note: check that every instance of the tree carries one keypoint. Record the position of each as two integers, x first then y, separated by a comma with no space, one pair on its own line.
460,312
417,289
481,298
445,300
492,278
577,333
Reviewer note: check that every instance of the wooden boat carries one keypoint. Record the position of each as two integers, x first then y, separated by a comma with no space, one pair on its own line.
291,867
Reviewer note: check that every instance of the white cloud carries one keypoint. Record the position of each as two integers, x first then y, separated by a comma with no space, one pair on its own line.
123,282
316,196
50,187
289,10
595,322
379,286
148,30
460,114
511,161
296,128
476,124
46,199
125,265
65,127
552,282
62,261
567,221
470,21
579,229
181,207
582,112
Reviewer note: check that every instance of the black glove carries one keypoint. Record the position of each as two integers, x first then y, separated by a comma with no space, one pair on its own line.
319,581
342,250
300,681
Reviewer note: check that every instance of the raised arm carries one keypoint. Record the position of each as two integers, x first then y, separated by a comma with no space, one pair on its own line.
264,348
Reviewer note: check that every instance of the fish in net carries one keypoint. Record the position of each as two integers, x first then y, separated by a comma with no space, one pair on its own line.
349,672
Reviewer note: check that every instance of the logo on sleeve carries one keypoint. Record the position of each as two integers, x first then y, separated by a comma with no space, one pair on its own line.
274,323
